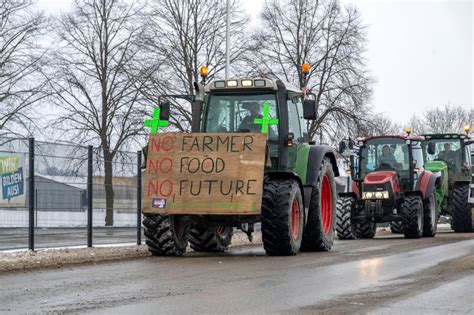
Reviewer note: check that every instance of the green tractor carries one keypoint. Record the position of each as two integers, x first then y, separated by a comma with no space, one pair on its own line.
449,155
298,197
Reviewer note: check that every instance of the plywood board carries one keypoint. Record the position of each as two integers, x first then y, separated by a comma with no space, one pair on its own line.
204,173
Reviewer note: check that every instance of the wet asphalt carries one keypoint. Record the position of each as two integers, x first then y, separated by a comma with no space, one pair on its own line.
388,274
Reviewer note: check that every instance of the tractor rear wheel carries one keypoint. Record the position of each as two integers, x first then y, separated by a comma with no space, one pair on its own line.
210,238
412,211
319,230
282,217
461,209
345,228
166,235
430,216
396,227
366,229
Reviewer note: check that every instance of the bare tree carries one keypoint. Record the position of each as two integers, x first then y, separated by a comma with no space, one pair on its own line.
21,85
332,40
380,124
449,118
181,36
97,84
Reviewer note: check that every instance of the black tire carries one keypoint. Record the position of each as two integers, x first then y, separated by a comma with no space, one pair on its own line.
317,236
210,239
412,211
281,236
462,221
166,235
396,227
430,216
366,229
345,228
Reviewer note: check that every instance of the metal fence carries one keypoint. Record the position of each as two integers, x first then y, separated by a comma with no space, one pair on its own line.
54,195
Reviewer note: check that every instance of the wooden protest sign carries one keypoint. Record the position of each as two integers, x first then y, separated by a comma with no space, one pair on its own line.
204,173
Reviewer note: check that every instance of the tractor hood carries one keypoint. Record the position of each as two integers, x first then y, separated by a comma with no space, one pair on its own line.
382,181
380,177
436,166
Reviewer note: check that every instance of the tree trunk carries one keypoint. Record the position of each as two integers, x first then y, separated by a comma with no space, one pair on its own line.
109,189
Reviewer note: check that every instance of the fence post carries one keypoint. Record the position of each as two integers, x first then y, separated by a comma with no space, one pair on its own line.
89,195
31,194
139,198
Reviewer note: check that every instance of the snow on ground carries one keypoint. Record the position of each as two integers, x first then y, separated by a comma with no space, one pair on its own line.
58,257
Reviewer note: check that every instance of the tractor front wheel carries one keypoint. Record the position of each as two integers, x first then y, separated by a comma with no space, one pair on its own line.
412,211
282,217
166,235
319,230
462,221
396,227
211,238
345,228
366,229
430,216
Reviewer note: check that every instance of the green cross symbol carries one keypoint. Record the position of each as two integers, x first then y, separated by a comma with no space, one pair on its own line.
155,122
265,121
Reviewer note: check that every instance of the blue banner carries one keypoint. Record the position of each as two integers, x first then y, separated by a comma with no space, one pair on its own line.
12,184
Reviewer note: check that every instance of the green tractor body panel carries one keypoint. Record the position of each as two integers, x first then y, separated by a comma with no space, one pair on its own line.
301,161
442,186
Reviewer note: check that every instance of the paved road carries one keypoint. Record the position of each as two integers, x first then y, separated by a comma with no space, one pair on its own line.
384,275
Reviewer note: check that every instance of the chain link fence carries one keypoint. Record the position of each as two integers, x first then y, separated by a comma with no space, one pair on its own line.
57,194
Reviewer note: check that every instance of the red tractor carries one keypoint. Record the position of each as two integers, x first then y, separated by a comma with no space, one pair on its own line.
389,184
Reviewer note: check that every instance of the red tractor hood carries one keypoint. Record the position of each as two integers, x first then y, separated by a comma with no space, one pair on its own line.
382,177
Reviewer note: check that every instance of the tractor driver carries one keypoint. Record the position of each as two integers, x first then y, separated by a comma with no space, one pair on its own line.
387,157
447,154
247,123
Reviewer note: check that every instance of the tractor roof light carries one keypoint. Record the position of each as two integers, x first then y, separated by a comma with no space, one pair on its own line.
232,83
246,83
203,71
305,68
408,130
467,128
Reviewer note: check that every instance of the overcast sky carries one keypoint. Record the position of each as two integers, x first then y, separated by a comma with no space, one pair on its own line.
420,52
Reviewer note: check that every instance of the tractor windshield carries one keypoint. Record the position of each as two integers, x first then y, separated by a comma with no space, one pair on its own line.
384,154
446,150
237,113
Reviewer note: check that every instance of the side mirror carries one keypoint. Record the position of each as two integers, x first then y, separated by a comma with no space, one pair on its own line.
342,146
309,109
165,110
431,148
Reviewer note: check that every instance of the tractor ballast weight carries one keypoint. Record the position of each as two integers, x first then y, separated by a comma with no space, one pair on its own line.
389,185
297,189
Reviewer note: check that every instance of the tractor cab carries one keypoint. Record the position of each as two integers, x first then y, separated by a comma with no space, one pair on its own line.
262,106
450,149
381,158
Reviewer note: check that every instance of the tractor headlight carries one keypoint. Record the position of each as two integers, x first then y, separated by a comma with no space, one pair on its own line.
375,195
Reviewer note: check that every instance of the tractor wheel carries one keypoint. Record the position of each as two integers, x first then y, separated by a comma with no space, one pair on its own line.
210,239
345,229
412,211
366,229
319,230
396,227
430,216
282,217
166,235
461,209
